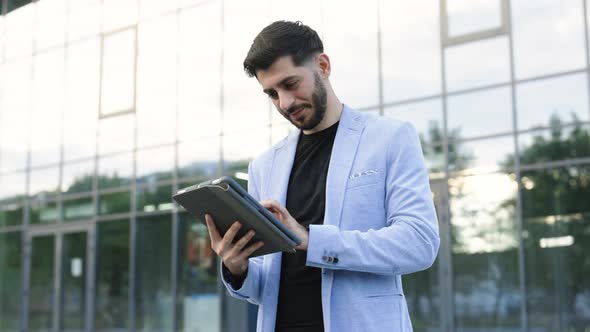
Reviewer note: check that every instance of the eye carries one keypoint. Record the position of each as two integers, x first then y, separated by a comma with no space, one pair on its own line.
272,95
291,85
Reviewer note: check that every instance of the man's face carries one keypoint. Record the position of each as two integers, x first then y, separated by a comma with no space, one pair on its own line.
298,93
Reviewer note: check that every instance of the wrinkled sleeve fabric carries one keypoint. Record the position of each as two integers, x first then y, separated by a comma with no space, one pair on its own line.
409,242
251,285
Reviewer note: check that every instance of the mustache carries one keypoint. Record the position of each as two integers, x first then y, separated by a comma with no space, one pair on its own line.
295,108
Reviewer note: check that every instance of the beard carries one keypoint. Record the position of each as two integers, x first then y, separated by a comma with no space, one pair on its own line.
319,99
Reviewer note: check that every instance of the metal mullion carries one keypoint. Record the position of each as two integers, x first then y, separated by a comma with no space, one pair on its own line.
556,164
519,219
380,61
447,312
90,276
57,267
587,49
26,277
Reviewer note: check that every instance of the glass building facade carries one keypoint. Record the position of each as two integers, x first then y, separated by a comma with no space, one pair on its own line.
107,107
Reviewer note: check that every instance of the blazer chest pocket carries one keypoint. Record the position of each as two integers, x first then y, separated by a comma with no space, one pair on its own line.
364,178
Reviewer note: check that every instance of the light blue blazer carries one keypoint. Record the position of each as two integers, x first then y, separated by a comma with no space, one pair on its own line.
379,224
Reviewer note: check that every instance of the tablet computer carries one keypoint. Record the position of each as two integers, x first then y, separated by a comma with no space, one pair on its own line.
226,201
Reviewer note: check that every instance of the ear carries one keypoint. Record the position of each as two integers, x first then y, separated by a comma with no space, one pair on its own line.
323,64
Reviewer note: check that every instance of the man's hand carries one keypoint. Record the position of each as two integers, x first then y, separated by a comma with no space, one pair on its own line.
233,255
285,217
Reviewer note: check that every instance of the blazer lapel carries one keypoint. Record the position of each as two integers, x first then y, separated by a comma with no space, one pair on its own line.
280,172
343,153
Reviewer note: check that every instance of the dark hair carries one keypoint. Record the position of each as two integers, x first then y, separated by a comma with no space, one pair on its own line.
279,39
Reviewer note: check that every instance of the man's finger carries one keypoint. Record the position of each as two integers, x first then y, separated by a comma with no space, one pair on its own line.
213,233
228,238
251,249
243,241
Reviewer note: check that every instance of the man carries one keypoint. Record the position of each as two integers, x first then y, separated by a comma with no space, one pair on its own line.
351,186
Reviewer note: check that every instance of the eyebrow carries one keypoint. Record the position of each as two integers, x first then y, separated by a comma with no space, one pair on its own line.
281,83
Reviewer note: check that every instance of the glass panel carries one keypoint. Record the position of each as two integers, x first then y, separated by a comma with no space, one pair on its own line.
150,169
77,209
556,242
305,11
78,177
562,97
434,158
41,283
112,276
50,25
245,105
485,258
156,81
199,85
358,87
118,14
198,306
118,71
467,16
114,203
83,21
557,143
426,116
19,31
152,198
487,155
81,111
44,181
10,281
464,73
481,113
151,8
115,171
116,134
73,273
548,36
410,43
153,298
48,93
239,151
11,214
2,43
12,187
199,158
15,112
43,211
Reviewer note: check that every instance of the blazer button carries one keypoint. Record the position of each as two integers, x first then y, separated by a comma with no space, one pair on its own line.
325,259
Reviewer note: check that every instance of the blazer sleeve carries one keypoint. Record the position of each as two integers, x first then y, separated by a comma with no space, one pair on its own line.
409,242
250,289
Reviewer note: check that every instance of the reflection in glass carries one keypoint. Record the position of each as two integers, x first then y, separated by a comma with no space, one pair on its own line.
425,116
43,210
487,155
118,77
50,23
12,187
11,214
116,134
19,31
199,158
305,11
118,14
48,93
114,203
73,296
115,171
548,36
155,164
554,144
156,81
564,97
355,74
77,209
81,106
10,281
556,243
112,276
434,158
199,104
77,177
464,73
84,21
153,297
484,246
44,181
151,8
410,42
245,105
239,149
41,283
15,107
481,113
464,16
198,305
152,198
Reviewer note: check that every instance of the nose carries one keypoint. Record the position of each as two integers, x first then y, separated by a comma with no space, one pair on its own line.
286,99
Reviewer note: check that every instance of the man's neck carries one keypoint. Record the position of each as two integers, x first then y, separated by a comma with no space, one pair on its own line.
333,112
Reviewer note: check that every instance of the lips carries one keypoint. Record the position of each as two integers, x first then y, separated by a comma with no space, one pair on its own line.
297,113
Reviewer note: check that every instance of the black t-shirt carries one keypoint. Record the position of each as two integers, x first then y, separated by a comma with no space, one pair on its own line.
300,298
